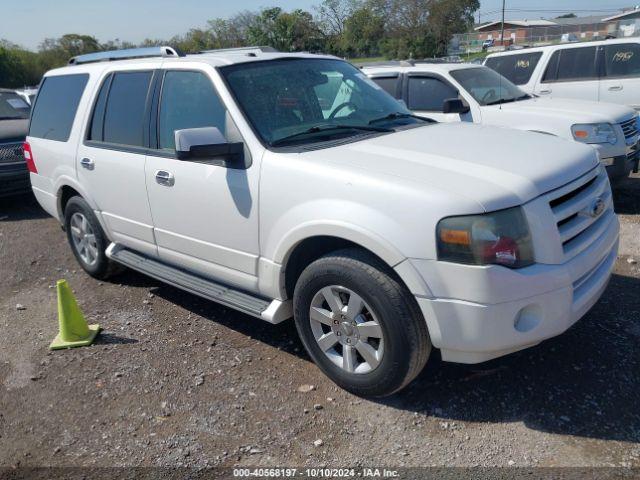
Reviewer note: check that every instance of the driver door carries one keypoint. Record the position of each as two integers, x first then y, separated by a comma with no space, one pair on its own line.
204,214
425,95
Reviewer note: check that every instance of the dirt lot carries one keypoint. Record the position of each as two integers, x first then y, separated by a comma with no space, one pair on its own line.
175,380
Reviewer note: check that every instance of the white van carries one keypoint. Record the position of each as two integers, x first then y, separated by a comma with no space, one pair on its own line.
604,71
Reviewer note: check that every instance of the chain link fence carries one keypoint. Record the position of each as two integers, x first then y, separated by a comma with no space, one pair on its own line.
467,43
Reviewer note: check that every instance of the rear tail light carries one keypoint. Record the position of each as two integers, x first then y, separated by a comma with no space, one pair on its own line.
28,156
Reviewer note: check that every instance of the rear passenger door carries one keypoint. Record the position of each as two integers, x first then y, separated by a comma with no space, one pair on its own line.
112,156
621,76
571,73
205,216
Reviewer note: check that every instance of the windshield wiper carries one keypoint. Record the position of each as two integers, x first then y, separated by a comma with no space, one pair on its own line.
326,128
509,100
397,115
12,118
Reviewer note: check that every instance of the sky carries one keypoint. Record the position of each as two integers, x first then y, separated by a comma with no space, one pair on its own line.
28,22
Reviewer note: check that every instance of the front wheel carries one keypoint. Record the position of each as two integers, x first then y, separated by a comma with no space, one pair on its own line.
359,324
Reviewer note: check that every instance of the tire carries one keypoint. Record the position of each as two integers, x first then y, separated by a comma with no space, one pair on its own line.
396,349
92,257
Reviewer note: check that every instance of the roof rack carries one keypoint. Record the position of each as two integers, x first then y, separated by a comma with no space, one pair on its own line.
109,56
243,50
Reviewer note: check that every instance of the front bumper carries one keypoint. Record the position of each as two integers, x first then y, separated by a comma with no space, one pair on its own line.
14,179
478,313
620,166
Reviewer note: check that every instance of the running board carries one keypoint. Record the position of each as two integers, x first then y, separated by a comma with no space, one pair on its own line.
272,311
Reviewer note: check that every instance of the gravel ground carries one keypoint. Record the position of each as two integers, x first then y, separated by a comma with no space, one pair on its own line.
174,380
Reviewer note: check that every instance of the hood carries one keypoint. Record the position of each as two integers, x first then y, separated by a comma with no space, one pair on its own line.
495,167
571,111
13,130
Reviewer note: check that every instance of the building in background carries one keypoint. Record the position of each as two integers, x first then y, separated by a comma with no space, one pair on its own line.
529,33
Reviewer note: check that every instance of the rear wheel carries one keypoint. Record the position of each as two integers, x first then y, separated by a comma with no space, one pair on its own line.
87,239
360,324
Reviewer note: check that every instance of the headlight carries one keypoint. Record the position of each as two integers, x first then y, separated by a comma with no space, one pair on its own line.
595,133
500,238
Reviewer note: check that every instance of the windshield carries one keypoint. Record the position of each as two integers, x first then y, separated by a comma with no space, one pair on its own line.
12,106
488,87
300,101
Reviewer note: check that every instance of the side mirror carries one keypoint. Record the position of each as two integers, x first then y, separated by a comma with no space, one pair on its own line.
454,105
208,143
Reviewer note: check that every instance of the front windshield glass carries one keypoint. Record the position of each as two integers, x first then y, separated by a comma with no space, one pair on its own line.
299,101
13,106
487,86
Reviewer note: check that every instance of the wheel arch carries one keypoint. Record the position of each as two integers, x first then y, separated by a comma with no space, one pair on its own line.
308,244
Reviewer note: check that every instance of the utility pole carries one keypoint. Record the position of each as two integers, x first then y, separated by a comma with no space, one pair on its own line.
502,29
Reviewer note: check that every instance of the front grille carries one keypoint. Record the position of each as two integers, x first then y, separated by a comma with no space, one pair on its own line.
572,207
11,153
630,128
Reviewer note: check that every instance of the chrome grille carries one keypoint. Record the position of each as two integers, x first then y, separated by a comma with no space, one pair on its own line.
630,128
574,209
11,153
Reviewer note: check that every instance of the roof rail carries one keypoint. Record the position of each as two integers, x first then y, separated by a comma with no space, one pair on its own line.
245,50
125,54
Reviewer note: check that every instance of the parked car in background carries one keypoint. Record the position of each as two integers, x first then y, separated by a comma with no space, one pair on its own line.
602,71
292,185
474,93
14,121
28,94
490,42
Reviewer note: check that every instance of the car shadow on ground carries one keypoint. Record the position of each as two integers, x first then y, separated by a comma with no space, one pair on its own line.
626,196
585,382
20,207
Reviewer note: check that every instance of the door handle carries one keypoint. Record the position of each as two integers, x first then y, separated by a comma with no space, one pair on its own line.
165,178
616,88
87,163
544,92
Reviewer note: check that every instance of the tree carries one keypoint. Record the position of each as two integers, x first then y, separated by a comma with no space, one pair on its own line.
447,17
568,15
333,15
285,31
363,31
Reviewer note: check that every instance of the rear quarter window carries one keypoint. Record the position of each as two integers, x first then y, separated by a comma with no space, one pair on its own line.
622,60
517,68
56,106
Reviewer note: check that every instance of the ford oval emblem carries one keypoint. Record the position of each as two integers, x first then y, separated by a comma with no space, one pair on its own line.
596,208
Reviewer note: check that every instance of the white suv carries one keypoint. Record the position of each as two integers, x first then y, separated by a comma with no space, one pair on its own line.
604,71
246,178
473,93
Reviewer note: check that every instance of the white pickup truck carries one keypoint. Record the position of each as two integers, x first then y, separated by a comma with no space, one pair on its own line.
250,179
473,93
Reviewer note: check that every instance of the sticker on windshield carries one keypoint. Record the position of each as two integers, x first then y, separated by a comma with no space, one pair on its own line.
17,103
373,84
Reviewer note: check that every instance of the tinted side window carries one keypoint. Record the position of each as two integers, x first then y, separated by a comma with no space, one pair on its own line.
429,93
189,100
517,68
124,114
552,68
96,131
577,64
388,84
56,107
622,60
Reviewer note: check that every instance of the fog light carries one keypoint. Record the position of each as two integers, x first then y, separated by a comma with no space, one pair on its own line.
528,318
